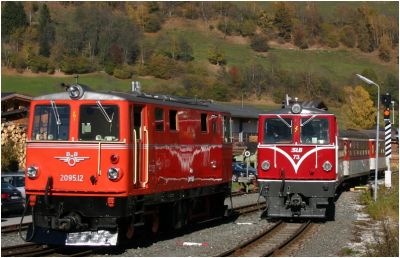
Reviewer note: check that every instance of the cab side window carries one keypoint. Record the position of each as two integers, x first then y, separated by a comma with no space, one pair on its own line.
159,119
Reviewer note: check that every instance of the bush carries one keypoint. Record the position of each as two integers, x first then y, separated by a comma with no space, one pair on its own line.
300,38
123,72
9,157
38,64
153,23
229,28
71,65
216,56
109,68
18,62
259,43
348,36
163,67
247,28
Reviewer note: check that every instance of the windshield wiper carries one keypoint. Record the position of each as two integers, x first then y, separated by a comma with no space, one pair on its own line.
55,112
103,111
308,120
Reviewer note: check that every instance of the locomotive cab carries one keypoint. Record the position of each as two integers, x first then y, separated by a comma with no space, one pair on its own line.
297,161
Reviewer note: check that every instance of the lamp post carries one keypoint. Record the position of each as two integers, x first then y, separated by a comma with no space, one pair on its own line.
393,112
368,81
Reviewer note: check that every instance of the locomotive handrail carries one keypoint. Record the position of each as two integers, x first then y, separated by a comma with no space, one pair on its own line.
99,160
146,167
134,157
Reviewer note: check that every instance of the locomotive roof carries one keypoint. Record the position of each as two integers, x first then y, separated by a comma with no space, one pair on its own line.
304,111
360,134
142,98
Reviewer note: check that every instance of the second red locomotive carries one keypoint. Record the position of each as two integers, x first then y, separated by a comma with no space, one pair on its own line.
303,158
100,165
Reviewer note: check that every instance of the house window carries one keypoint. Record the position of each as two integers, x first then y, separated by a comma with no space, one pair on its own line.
159,119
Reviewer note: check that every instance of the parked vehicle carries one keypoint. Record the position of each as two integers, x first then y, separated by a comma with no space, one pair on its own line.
11,199
239,169
16,179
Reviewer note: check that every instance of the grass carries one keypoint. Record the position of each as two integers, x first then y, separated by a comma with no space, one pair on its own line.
386,211
44,84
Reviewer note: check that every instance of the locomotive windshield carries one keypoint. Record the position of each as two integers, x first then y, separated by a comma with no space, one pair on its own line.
278,130
314,131
99,123
51,123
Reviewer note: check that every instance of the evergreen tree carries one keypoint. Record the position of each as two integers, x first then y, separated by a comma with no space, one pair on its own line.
12,17
46,31
283,21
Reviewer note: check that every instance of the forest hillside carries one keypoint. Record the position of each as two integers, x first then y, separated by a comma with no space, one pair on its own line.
224,51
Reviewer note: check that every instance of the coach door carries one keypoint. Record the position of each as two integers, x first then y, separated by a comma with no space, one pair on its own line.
140,139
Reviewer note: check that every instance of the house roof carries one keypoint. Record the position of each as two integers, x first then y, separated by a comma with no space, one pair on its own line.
11,95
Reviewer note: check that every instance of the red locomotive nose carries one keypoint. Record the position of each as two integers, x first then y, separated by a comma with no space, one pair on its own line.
114,159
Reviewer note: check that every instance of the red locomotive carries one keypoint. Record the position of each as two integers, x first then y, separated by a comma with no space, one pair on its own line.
100,165
302,158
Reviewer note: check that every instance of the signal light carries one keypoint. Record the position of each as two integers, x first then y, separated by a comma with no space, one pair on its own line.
386,113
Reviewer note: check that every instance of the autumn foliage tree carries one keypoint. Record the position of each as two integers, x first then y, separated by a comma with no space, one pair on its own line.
358,109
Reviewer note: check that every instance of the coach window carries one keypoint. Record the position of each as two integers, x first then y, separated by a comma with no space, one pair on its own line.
99,122
314,130
278,130
51,122
159,119
203,118
173,120
227,129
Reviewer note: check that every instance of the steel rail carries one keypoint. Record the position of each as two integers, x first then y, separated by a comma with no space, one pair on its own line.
270,241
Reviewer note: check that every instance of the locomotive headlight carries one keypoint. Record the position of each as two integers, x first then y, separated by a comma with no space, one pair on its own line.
113,174
75,91
296,108
327,166
265,165
32,172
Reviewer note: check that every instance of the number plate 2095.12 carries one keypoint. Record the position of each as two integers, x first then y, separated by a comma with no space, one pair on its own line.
71,178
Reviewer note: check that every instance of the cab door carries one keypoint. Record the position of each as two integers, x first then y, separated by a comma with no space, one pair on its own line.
140,139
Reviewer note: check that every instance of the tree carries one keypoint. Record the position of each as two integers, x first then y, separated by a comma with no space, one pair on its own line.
46,31
313,20
371,89
392,86
283,20
256,76
12,17
299,37
359,110
385,49
348,36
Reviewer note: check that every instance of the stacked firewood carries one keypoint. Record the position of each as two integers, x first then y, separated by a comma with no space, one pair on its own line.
15,133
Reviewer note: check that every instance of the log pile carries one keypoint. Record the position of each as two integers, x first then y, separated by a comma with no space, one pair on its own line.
17,134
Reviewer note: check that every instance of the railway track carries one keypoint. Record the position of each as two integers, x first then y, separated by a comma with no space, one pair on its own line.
14,228
33,249
271,241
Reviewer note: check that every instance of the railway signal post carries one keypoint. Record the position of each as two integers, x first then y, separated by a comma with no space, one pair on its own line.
386,100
